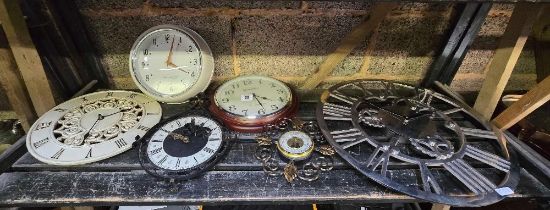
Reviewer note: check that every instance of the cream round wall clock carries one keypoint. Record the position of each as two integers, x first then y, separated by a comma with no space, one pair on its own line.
92,127
171,63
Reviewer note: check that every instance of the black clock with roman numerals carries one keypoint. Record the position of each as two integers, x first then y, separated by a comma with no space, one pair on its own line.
184,146
383,129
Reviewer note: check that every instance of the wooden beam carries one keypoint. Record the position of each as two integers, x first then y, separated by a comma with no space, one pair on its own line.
437,206
528,103
13,85
26,56
505,58
354,38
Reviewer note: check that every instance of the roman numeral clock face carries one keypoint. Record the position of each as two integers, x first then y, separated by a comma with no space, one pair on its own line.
384,129
92,127
182,147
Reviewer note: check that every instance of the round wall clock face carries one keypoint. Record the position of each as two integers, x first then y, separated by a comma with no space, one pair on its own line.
92,127
182,147
171,64
383,129
247,103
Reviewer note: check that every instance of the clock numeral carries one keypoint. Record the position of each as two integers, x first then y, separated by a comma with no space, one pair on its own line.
247,82
89,155
232,108
235,86
215,139
349,138
336,112
195,61
225,100
281,99
192,74
488,158
58,153
280,91
229,92
109,94
469,176
346,99
155,41
180,40
143,128
178,123
133,95
428,181
146,52
152,113
261,111
167,38
156,151
381,156
274,107
178,163
147,77
190,49
40,143
43,125
245,111
162,160
120,143
84,99
209,150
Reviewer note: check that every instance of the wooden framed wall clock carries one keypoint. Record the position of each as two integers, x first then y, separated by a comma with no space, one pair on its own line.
380,127
183,146
171,64
248,103
92,127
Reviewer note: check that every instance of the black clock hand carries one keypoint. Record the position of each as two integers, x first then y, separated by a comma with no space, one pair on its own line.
264,98
99,117
258,100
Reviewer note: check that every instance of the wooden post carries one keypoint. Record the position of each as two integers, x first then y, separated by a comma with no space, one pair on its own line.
26,57
13,86
532,100
505,58
356,36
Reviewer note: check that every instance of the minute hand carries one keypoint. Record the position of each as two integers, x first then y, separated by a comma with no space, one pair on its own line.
258,100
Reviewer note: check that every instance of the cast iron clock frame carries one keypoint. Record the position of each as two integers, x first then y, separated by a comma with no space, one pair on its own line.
373,124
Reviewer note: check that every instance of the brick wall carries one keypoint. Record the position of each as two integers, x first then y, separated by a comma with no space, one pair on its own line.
289,39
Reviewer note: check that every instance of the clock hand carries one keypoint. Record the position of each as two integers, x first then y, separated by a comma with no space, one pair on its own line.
169,59
99,117
265,98
258,100
176,68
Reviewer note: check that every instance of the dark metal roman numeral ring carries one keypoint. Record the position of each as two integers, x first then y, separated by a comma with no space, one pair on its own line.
380,126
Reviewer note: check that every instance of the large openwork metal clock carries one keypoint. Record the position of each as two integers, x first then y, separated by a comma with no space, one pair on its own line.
384,129
92,127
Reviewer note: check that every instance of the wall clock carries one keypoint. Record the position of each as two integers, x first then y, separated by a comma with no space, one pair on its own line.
248,103
183,146
171,64
382,128
92,127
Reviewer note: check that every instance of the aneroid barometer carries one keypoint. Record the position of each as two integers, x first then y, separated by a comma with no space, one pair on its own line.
171,63
92,127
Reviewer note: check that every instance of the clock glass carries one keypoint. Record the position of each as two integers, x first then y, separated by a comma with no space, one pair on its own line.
92,127
253,96
171,64
185,143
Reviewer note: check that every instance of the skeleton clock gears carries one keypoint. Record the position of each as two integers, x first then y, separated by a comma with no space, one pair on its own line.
171,64
376,125
248,103
92,127
183,147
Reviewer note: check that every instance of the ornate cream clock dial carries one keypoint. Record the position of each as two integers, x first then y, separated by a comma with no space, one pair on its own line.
92,127
171,64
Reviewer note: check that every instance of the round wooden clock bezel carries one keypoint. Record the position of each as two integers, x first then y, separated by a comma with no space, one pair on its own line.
206,62
247,125
42,134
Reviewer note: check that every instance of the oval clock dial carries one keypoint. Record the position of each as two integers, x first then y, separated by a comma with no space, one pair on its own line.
185,143
247,103
171,64
92,127
384,128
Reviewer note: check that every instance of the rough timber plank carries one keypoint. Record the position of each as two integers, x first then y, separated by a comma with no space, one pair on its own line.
13,85
532,100
26,56
505,58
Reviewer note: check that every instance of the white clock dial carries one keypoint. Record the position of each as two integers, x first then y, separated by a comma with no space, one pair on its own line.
185,143
92,127
171,64
253,96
